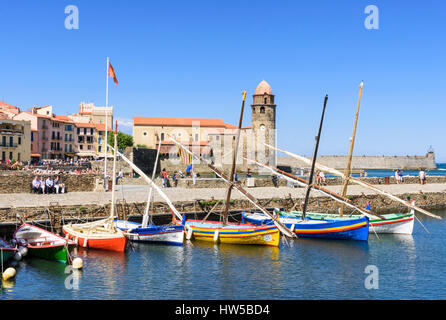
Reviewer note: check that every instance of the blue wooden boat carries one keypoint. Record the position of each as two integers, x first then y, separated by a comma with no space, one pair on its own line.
171,234
348,229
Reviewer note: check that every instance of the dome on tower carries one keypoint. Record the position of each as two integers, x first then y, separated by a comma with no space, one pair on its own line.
263,87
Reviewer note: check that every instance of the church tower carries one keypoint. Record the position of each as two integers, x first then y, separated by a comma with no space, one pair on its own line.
263,112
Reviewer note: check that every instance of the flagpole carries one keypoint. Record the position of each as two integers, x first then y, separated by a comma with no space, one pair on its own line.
106,128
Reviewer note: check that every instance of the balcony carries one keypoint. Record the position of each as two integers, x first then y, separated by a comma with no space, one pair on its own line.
8,145
44,127
56,138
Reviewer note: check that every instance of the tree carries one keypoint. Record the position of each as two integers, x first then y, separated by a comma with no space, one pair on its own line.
124,140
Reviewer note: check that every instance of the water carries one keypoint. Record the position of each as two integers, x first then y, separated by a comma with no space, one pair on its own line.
410,267
441,171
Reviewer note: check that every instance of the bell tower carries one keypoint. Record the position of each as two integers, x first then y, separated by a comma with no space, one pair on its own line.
263,112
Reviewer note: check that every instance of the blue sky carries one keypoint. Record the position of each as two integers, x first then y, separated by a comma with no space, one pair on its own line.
194,58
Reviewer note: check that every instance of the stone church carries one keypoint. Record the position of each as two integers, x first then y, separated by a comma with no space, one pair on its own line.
214,139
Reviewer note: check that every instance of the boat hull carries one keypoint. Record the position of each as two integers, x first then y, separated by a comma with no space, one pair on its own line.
58,253
233,233
397,223
6,254
42,243
110,242
352,229
171,235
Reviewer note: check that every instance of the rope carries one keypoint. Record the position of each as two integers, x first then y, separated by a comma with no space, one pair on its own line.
421,224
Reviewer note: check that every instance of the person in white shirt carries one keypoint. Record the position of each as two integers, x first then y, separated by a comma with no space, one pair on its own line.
42,186
49,185
422,176
36,185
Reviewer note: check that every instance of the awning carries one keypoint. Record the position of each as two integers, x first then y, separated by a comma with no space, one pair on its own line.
86,154
36,155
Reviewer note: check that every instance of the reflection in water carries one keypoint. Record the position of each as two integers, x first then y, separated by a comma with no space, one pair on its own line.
410,267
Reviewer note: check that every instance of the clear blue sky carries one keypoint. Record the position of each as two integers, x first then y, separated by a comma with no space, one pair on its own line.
194,58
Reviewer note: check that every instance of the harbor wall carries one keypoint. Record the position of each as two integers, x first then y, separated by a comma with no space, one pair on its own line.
20,182
367,162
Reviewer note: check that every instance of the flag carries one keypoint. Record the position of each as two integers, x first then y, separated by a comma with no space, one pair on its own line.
111,73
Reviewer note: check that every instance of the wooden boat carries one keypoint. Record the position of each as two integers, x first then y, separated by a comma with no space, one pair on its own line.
145,232
224,231
233,233
346,229
42,243
400,223
6,250
172,234
100,234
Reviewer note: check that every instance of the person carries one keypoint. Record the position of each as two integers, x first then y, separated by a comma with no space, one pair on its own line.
397,176
400,174
35,185
164,175
119,176
248,174
365,174
235,177
49,185
42,186
422,176
318,177
274,179
322,178
175,178
188,170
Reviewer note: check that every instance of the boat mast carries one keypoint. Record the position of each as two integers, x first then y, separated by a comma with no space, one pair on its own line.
112,208
145,218
310,179
350,153
234,158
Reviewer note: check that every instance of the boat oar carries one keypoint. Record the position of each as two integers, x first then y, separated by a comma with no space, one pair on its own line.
247,195
357,181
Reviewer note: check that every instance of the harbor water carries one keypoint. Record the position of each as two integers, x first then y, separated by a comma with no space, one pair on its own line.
404,267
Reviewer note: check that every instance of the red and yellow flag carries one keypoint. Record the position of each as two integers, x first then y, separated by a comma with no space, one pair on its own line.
111,73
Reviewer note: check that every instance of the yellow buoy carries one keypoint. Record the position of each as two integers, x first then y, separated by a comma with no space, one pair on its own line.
8,273
78,263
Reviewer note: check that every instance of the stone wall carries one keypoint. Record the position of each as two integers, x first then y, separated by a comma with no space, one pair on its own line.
19,182
368,162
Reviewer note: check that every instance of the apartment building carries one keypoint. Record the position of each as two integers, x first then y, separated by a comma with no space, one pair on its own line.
15,143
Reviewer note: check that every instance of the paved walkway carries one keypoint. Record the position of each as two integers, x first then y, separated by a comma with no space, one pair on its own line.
134,193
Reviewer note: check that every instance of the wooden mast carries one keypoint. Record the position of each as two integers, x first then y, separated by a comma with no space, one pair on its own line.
234,158
357,181
350,153
145,218
310,180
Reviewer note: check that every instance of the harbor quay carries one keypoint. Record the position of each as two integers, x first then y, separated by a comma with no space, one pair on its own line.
56,209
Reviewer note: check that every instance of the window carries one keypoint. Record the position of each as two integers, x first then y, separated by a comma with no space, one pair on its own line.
10,155
262,109
71,148
4,141
11,141
266,100
85,130
32,136
253,109
20,140
218,137
144,133
196,137
89,147
3,156
99,148
18,156
81,147
99,140
68,127
162,136
66,148
91,131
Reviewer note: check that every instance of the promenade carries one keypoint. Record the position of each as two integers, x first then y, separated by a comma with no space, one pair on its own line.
138,194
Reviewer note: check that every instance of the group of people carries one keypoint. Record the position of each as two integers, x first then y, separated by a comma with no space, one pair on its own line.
190,173
48,185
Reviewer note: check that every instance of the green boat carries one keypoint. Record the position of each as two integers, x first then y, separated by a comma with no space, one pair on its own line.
42,243
6,250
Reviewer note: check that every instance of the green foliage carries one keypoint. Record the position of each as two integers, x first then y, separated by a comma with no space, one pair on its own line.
124,140
141,145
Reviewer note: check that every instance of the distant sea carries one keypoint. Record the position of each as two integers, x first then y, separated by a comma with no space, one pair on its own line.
441,171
